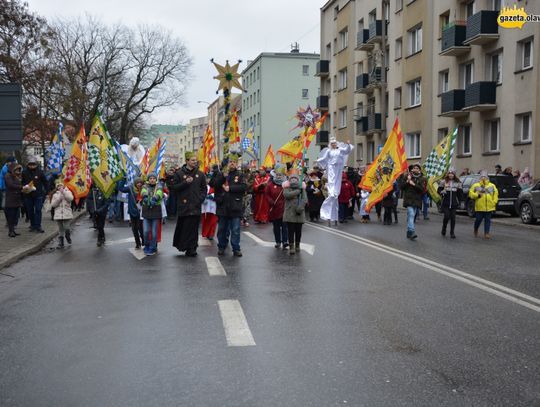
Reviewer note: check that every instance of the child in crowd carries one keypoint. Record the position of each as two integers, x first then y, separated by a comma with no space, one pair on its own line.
61,202
152,196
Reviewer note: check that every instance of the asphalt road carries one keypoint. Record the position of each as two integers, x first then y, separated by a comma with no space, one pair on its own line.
369,319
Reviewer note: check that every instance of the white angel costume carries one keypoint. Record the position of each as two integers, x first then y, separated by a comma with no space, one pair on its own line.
134,150
333,160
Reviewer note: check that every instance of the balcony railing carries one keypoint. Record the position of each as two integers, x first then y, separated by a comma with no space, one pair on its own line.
482,28
375,31
362,82
452,40
361,124
322,103
374,123
322,137
323,68
452,103
362,41
481,96
375,77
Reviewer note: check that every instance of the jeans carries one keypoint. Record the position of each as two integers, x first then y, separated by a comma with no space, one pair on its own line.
295,233
486,217
426,202
150,226
280,231
228,226
411,212
33,211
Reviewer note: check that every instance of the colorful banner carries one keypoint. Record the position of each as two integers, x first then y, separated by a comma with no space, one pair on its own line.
77,173
269,160
438,162
55,152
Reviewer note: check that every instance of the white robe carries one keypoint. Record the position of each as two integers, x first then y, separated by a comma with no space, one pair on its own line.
333,160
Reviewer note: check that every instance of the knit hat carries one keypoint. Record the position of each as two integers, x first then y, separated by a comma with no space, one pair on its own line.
33,160
333,140
483,174
233,157
452,170
412,166
152,174
138,181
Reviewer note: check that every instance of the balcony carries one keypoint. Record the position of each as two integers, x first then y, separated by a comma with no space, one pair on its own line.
374,123
362,41
322,137
482,28
362,82
480,96
361,124
452,103
452,40
375,32
322,103
323,68
375,78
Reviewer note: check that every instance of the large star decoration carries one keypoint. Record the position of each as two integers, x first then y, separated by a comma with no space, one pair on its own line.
228,76
307,117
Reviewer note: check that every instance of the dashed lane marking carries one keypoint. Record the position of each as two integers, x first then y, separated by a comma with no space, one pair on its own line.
237,330
214,267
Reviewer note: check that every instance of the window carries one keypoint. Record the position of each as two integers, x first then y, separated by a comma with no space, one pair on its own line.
370,151
360,152
496,5
443,81
258,119
258,73
442,133
412,145
415,93
492,136
399,46
397,98
342,79
360,109
305,70
343,39
526,54
464,140
336,11
415,40
258,96
469,9
399,5
372,16
496,61
444,20
305,93
524,122
335,83
466,73
342,117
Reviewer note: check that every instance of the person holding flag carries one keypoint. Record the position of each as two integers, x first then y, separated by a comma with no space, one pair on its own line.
189,185
152,196
333,160
413,185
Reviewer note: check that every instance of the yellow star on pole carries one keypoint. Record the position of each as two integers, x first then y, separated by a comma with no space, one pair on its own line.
228,76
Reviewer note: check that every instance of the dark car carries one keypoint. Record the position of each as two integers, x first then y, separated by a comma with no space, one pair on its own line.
528,204
507,186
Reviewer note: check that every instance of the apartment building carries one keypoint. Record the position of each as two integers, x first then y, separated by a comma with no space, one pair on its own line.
276,86
197,128
436,65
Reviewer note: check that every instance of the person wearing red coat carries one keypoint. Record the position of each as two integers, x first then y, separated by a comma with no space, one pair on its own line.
346,195
276,202
260,214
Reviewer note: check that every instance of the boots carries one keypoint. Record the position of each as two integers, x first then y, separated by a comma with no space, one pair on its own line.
68,236
60,242
292,249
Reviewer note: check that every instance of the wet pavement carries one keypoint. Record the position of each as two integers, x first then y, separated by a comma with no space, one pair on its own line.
370,319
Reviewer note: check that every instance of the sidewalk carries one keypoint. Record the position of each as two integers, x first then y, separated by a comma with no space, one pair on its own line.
14,249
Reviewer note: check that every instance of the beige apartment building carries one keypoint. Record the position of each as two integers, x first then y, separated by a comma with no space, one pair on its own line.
436,65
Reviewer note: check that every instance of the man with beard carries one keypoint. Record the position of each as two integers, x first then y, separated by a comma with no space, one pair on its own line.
413,185
189,185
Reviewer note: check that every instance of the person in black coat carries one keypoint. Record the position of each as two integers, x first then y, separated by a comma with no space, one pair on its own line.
229,190
35,188
134,209
189,186
101,207
13,197
451,192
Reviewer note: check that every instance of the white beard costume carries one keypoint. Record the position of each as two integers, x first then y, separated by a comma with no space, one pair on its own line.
333,160
134,151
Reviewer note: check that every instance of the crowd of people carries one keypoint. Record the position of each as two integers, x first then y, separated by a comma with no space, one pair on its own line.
224,200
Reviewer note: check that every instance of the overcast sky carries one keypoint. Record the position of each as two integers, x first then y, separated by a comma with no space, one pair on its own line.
218,29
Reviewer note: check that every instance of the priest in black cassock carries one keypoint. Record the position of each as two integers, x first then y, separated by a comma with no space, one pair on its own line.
189,185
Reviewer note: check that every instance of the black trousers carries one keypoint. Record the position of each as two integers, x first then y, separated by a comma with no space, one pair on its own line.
12,217
388,214
100,224
137,229
295,233
449,215
186,233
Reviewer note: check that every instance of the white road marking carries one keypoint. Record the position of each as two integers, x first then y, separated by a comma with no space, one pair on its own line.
214,267
478,282
308,248
121,241
139,254
237,331
204,241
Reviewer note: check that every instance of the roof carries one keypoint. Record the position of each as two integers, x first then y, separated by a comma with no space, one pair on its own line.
302,55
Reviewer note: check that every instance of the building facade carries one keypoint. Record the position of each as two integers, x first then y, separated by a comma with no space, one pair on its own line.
437,65
276,85
197,128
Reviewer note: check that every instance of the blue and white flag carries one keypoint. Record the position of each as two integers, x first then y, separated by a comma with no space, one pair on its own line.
55,153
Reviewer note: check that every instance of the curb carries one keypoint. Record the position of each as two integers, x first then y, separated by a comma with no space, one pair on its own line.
47,238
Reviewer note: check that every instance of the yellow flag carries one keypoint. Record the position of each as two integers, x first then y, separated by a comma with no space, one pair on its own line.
386,168
76,172
269,160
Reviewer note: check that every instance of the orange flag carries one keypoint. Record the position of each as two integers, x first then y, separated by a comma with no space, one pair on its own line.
269,160
77,173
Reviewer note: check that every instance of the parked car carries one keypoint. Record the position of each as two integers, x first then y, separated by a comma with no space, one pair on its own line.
528,204
507,186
